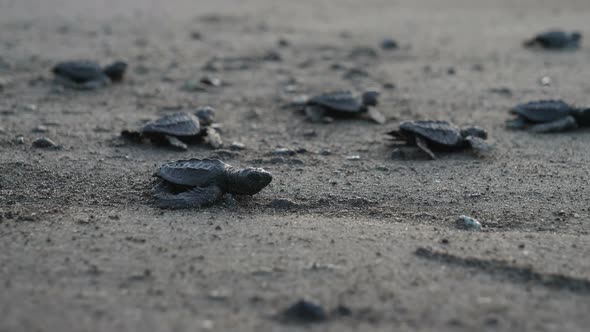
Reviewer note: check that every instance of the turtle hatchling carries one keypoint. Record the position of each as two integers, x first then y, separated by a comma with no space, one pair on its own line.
324,107
555,40
88,75
547,116
440,135
195,183
179,129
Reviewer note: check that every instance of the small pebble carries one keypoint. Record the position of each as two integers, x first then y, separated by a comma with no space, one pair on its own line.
207,325
304,312
237,146
389,44
20,140
337,66
299,100
196,35
40,129
28,107
353,157
325,152
309,133
546,81
468,223
502,91
283,152
290,88
211,80
272,56
283,42
193,85
282,204
44,142
388,86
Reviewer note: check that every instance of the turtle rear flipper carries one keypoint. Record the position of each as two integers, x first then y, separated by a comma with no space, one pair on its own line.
193,198
175,143
531,43
423,145
214,138
376,116
560,125
479,146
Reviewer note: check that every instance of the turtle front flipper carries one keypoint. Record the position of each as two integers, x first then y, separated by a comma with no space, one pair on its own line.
563,124
315,114
87,86
132,135
396,135
479,146
516,124
175,143
192,198
421,143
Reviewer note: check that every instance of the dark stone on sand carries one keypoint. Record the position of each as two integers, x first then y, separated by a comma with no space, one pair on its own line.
304,312
44,143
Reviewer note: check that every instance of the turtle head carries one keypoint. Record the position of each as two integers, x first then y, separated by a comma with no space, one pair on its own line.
474,132
116,70
206,115
250,181
576,36
582,116
370,98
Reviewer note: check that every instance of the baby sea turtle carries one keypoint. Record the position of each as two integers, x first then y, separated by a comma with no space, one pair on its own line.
545,116
555,40
87,75
440,135
201,182
178,129
322,108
